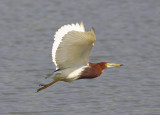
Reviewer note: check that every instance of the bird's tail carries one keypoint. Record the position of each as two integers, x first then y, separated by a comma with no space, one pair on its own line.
50,74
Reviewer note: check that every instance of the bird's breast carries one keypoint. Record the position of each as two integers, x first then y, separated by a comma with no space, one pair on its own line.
70,74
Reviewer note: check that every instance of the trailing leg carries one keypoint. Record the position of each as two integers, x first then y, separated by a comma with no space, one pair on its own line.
44,86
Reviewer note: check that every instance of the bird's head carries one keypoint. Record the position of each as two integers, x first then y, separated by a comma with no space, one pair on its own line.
109,65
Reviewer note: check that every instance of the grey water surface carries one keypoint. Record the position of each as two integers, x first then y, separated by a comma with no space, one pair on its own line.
128,32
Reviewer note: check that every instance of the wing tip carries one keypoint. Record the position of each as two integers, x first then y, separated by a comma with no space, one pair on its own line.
93,30
69,27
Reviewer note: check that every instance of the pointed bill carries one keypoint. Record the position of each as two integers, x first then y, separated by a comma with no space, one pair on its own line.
109,65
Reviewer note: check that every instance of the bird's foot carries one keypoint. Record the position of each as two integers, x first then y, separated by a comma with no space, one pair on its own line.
44,86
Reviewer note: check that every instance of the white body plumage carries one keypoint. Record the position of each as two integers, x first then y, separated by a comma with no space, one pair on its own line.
69,74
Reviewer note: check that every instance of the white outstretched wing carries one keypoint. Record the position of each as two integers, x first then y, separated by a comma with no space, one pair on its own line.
72,46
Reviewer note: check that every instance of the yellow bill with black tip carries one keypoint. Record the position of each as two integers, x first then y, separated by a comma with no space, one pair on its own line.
109,65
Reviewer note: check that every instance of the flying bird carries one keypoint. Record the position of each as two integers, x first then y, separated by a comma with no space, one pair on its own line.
70,54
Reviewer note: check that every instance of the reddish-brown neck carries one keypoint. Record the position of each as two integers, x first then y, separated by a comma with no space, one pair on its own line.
94,70
101,64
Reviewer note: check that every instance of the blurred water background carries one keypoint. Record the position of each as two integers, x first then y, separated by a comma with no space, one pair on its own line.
128,32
